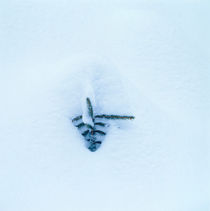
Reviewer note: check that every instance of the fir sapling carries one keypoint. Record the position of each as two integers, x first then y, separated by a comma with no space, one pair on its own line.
94,127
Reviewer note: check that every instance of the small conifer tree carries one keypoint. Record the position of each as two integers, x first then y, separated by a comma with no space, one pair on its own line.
94,134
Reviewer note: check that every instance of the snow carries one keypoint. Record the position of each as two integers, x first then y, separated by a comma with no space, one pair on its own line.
149,59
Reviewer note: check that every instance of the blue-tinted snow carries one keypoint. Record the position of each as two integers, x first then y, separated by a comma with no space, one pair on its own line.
145,58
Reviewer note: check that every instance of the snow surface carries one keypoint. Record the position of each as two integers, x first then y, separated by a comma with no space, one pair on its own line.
144,58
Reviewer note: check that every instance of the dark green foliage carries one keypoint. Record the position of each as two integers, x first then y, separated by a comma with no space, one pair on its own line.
83,125
77,118
100,124
100,132
80,125
85,133
95,134
114,116
90,107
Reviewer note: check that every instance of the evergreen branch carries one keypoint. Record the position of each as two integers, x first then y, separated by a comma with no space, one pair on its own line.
100,132
83,125
89,126
77,118
91,135
100,124
90,107
97,142
85,133
92,147
80,125
114,117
